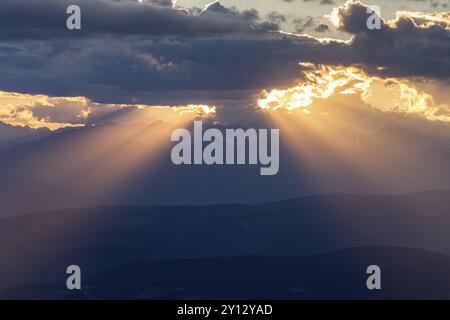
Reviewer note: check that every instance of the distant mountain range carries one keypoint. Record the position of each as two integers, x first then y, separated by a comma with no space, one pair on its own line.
36,248
405,274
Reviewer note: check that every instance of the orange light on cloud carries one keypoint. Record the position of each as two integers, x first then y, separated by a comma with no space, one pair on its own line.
19,109
322,82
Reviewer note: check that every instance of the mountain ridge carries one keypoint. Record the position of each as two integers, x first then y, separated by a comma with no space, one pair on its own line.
100,237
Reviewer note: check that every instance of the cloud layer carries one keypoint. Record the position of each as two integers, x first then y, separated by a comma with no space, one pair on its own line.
158,54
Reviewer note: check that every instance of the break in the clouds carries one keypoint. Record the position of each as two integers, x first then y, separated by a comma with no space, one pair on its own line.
160,54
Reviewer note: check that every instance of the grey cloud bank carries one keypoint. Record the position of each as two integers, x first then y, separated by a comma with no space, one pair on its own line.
141,53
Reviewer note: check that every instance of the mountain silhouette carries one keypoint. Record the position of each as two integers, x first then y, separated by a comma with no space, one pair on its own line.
40,246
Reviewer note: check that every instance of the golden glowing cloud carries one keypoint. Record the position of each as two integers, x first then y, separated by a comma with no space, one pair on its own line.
17,109
322,82
38,111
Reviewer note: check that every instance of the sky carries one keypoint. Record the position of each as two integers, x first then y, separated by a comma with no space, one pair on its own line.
301,8
238,58
358,109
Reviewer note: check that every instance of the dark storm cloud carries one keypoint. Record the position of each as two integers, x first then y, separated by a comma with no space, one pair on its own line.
107,68
220,54
42,19
407,47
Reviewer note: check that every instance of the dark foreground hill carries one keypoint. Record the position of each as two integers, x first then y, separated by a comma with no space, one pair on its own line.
405,274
